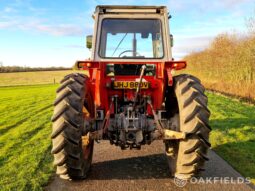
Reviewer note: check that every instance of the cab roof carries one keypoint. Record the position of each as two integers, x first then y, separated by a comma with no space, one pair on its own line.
130,9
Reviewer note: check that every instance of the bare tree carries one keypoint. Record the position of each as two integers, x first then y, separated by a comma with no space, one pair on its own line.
251,24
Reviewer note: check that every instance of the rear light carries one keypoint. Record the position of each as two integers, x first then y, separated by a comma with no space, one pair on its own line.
87,64
176,65
179,66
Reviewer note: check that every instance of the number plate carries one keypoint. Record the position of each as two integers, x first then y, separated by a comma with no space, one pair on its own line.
129,85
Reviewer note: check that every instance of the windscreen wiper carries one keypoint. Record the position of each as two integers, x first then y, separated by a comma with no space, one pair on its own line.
119,43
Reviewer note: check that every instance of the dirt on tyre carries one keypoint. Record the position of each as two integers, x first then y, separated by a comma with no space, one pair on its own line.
71,147
187,102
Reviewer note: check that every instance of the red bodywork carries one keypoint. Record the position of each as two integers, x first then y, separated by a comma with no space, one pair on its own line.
101,84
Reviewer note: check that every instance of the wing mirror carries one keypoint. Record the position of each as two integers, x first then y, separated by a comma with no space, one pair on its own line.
89,41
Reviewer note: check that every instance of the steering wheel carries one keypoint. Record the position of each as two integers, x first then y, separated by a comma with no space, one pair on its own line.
136,53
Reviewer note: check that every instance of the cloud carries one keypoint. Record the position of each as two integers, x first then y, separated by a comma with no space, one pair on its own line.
192,43
187,44
210,26
37,25
232,3
7,10
5,24
202,6
59,30
23,15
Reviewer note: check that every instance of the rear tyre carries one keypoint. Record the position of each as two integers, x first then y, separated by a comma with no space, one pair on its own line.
71,146
187,102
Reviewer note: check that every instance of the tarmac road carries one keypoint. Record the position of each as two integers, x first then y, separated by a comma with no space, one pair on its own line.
145,169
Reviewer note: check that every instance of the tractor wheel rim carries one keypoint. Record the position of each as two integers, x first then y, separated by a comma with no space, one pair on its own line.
87,146
87,143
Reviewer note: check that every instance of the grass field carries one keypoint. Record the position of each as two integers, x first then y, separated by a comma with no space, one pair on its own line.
25,112
32,78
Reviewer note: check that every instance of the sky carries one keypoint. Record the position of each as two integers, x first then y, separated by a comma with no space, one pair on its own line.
43,33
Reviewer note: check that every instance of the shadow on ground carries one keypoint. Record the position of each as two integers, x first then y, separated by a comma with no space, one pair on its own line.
146,167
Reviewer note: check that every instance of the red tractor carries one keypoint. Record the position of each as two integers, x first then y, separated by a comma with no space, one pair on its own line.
129,96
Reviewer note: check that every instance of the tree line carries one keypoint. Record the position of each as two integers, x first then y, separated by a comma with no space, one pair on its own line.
9,69
228,63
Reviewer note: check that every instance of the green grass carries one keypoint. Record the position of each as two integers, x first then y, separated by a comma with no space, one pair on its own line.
233,133
25,128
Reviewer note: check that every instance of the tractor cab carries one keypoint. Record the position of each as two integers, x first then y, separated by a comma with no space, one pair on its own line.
131,33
